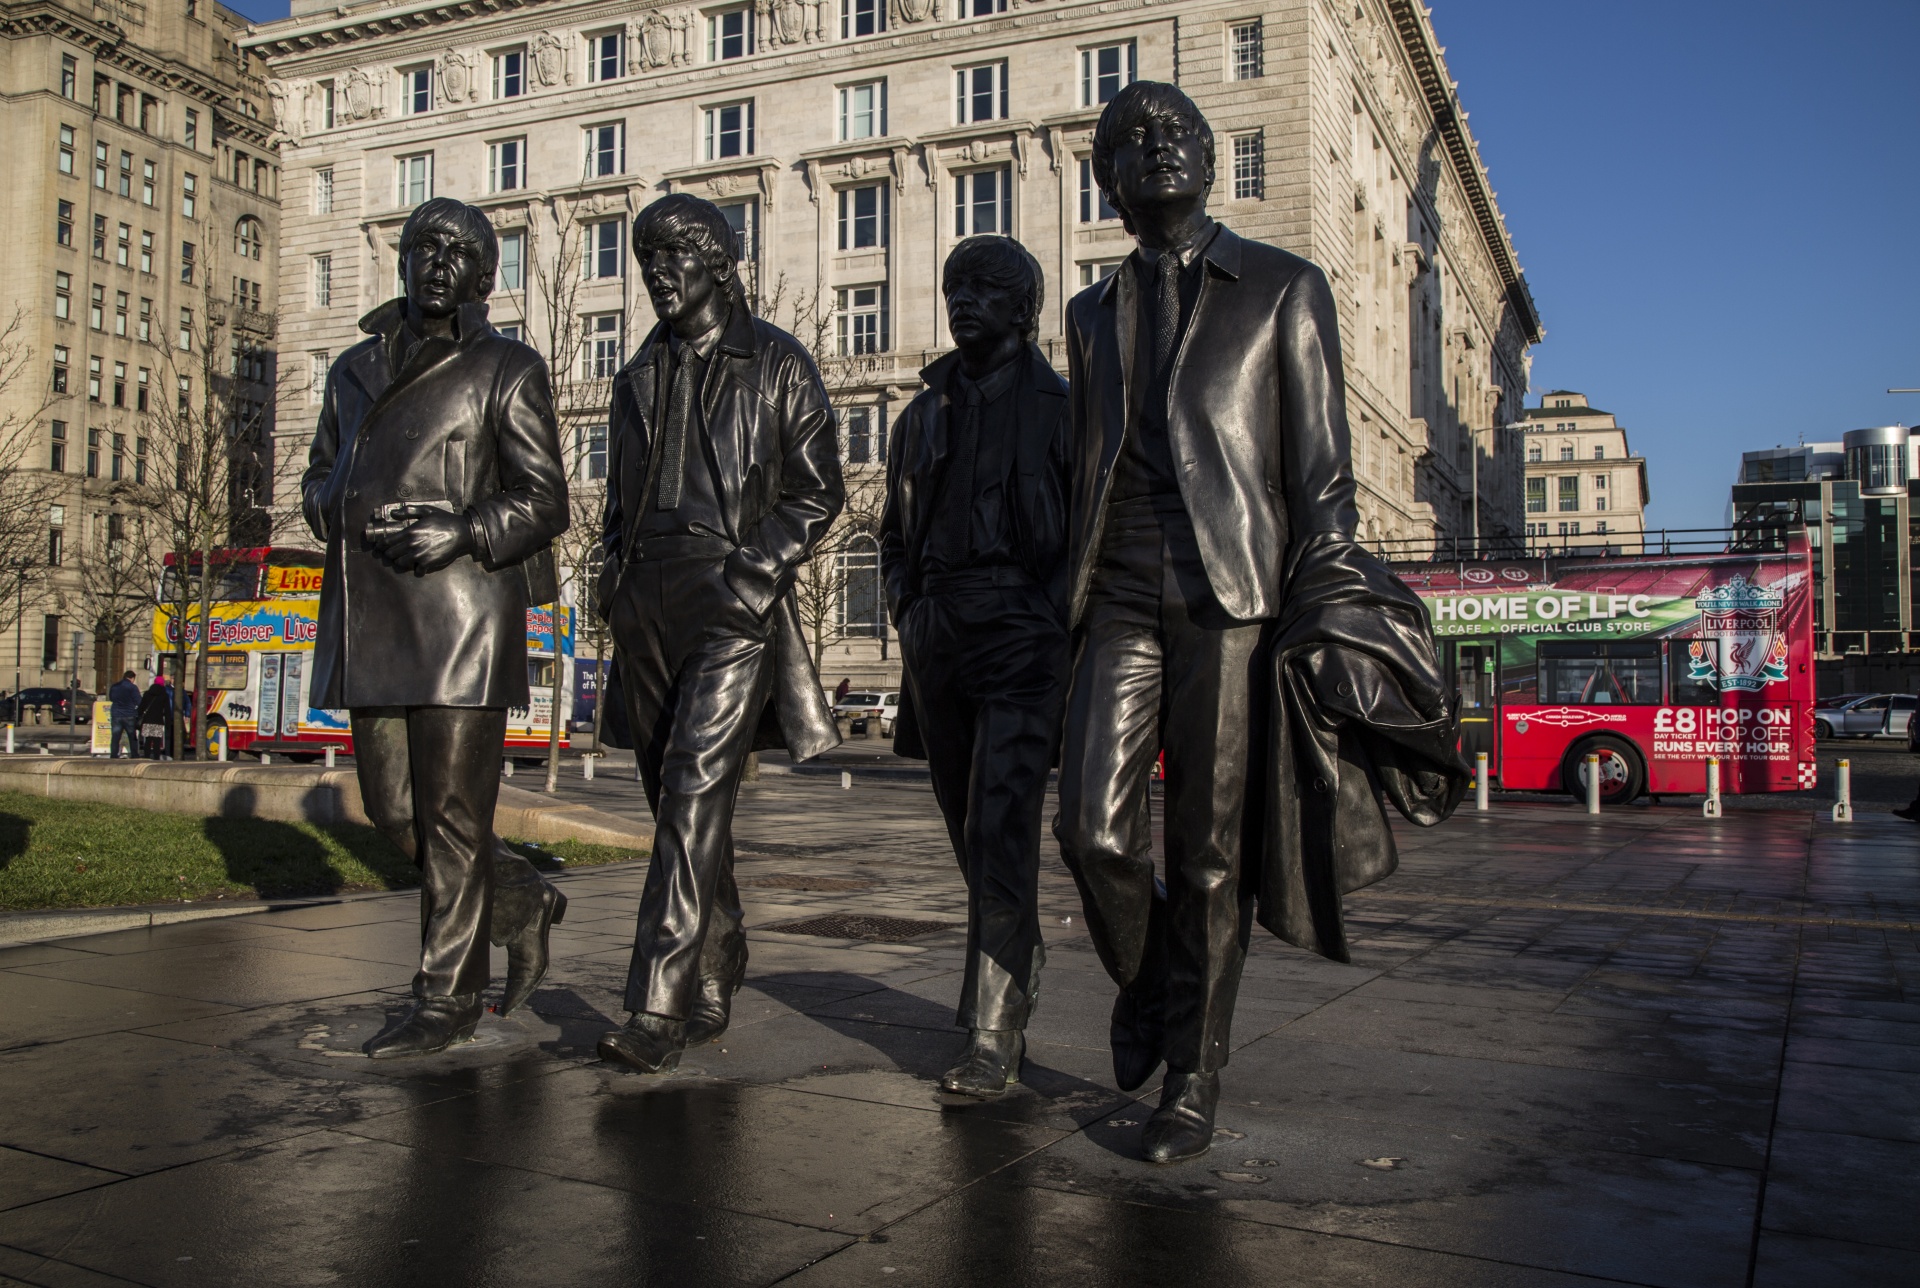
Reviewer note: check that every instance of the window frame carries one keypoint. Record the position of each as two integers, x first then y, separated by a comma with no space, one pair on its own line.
848,219
500,169
1093,201
966,201
851,17
321,279
1126,51
597,55
595,151
1239,59
509,73
401,180
853,338
876,112
715,131
717,38
1247,165
600,249
416,84
966,95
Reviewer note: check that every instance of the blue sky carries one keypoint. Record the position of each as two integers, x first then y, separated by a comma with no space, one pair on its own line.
1717,205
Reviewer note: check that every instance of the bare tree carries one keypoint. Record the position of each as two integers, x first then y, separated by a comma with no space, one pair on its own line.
27,494
115,573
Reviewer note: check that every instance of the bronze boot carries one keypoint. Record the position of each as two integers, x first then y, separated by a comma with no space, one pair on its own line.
992,1060
713,1005
649,1043
1182,1127
526,906
434,1024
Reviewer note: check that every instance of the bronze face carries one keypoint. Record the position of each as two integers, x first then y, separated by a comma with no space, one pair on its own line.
984,316
1161,162
684,288
443,272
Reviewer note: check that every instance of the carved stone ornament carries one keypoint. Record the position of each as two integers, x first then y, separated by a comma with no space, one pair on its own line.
900,168
285,119
360,100
908,12
550,59
725,185
787,22
457,81
976,150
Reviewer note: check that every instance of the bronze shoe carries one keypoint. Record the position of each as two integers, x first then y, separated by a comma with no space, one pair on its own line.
434,1024
992,1061
1182,1127
649,1043
713,1005
527,955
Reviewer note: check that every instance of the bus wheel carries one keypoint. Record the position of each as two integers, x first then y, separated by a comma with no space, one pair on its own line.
1622,775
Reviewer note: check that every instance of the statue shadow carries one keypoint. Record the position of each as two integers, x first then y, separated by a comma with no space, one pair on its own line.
282,860
16,835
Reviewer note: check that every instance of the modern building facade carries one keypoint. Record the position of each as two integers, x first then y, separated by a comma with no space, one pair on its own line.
1584,485
853,143
1857,498
140,183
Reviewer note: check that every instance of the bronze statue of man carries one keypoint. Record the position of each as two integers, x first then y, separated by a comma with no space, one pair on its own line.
1224,616
435,481
973,547
723,474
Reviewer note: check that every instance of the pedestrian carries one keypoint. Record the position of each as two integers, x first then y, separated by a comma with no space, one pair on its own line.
125,699
155,716
841,690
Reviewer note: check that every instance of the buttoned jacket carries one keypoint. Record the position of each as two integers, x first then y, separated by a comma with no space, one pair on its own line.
467,426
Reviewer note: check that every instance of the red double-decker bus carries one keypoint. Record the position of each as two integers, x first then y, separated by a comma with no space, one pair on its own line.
1655,657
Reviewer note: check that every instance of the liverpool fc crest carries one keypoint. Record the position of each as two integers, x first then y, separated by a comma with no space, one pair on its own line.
1741,646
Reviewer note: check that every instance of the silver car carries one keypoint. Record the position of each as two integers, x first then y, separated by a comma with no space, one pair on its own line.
1871,716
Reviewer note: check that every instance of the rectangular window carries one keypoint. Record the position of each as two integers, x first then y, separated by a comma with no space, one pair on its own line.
600,346
323,190
980,8
97,307
1094,207
980,93
317,363
60,362
1595,673
63,224
186,329
1600,482
1566,451
602,258
55,545
862,18
148,175
1098,271
863,110
62,295
506,165
1104,72
188,188
146,320
593,451
511,330
50,642
606,53
742,219
510,73
606,149
512,274
146,251
1600,502
57,457
1534,453
142,382
1599,452
95,378
186,263
1250,166
140,460
863,320
729,34
326,105
126,174
863,216
416,90
1536,496
858,448
983,203
322,281
119,386
1246,51
69,76
730,131
117,466
100,165
192,129
123,247
66,149
1569,492
100,237
415,177
93,453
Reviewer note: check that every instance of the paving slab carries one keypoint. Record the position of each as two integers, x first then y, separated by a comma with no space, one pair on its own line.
1648,1049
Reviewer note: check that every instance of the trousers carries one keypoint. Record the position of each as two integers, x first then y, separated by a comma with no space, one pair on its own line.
1160,668
429,780
697,667
986,666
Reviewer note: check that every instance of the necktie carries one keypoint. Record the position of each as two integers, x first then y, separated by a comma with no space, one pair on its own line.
1166,327
955,546
673,438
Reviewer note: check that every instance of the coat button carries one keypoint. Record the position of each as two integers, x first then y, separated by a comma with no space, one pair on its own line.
1320,785
352,495
413,433
405,491
1344,689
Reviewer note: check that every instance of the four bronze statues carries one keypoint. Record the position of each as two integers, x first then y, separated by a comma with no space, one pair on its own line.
1151,563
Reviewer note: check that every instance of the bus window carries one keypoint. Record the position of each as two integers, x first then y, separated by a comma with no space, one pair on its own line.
1582,673
1682,656
226,670
540,672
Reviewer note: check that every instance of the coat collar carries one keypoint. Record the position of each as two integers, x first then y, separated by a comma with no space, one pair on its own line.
737,339
1222,254
470,321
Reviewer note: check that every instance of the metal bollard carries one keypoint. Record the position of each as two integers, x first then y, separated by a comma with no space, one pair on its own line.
846,781
1593,782
506,769
1712,808
330,757
1843,807
586,767
265,759
1480,781
220,736
9,738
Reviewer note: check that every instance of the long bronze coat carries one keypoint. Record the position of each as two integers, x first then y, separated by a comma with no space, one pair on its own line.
777,462
468,424
1355,704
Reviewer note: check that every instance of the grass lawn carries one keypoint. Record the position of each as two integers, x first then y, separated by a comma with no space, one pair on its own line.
76,854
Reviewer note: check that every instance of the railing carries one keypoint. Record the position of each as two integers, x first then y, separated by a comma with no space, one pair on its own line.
1464,548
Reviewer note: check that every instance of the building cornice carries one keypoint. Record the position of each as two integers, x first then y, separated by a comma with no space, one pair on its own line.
109,44
1411,20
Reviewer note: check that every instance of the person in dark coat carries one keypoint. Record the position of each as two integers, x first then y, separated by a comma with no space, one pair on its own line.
723,475
124,715
973,550
156,720
436,482
1225,616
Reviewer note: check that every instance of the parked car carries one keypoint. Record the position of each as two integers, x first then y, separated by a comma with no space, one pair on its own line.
1838,700
1900,715
1864,717
52,701
870,706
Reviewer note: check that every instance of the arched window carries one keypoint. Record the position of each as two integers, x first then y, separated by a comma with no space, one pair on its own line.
861,609
247,238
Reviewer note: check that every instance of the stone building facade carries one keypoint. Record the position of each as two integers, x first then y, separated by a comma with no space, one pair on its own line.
140,183
853,142
1585,487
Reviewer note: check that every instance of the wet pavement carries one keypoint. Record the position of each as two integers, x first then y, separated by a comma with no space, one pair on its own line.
1647,1049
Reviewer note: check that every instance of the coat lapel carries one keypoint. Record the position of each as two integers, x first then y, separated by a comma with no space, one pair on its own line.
1123,299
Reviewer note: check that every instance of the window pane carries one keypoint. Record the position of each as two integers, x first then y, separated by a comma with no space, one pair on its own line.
1596,674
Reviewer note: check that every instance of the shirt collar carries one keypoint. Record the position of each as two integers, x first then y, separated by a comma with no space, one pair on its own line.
1187,251
991,386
